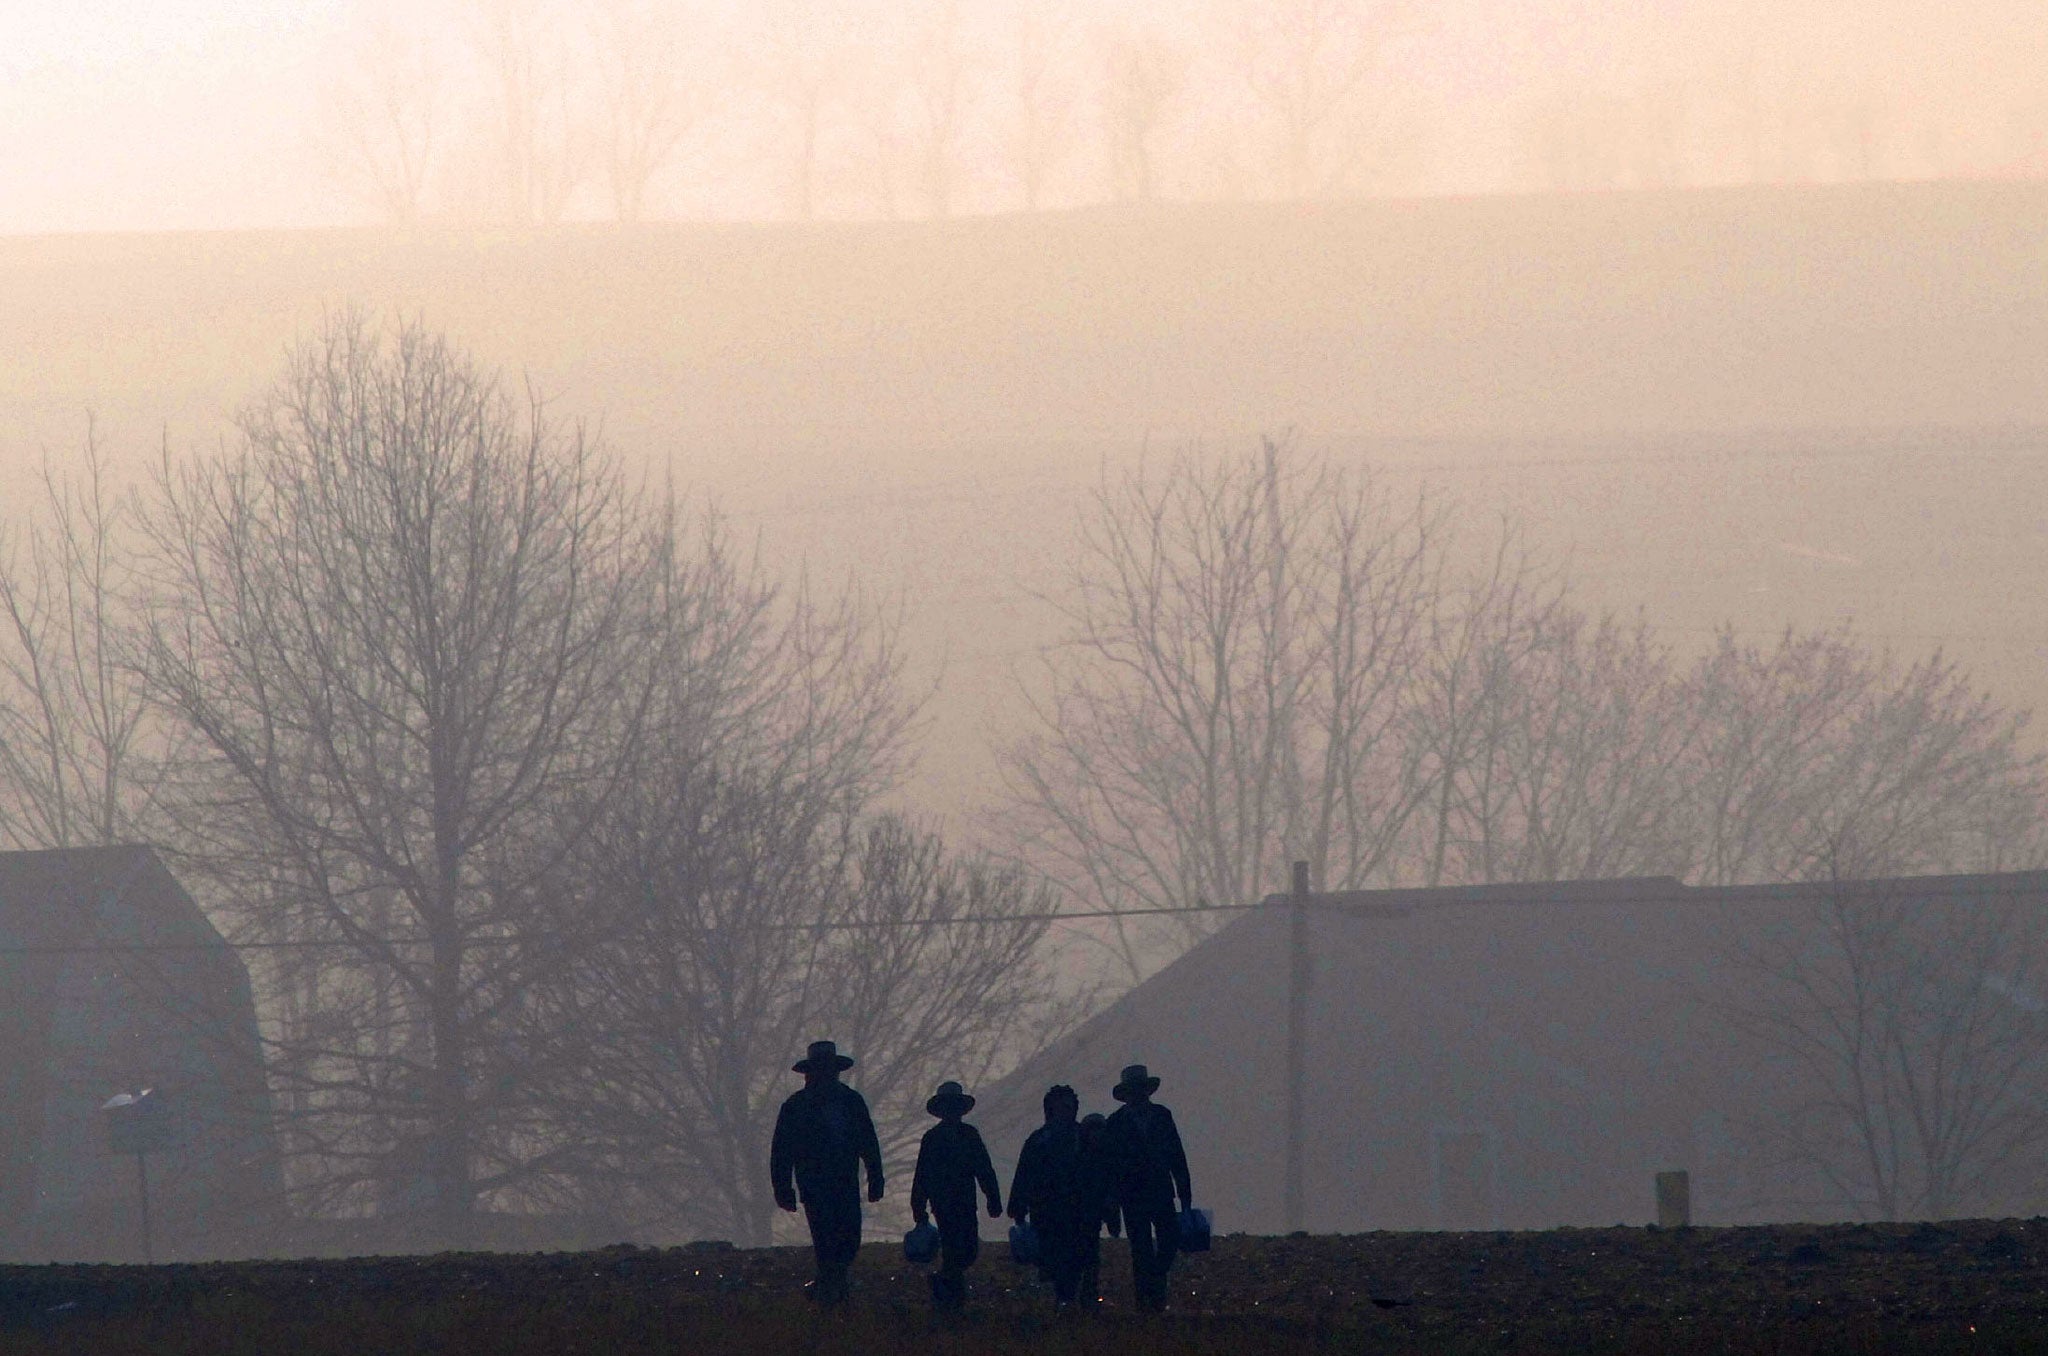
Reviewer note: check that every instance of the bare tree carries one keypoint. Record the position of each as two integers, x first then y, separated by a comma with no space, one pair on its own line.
1242,643
1044,101
1480,634
743,902
1266,660
802,75
654,78
940,100
1817,740
748,934
81,759
1307,64
916,98
1593,759
951,979
404,620
540,137
381,121
1913,1043
770,725
1552,746
1143,78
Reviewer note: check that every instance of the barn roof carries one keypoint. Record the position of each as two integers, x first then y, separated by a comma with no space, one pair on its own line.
1663,890
1593,1002
73,897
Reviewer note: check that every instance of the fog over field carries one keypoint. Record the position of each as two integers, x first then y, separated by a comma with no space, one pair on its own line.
1757,406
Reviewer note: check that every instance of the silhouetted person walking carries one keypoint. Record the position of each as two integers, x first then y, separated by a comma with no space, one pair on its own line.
1061,1189
951,1162
1148,1169
822,1136
1096,1186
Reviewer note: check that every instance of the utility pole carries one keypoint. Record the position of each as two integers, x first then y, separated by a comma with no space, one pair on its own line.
1298,976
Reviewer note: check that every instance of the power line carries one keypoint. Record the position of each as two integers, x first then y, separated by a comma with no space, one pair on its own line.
1384,902
840,925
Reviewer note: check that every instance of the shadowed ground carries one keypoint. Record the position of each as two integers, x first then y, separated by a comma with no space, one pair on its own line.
1977,1286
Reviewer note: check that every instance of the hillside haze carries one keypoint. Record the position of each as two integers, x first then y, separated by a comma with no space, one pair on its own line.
1762,405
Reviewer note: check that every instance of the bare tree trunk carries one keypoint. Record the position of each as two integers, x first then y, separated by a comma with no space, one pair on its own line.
1143,81
543,139
653,78
380,124
1043,103
449,1136
801,78
1307,64
938,83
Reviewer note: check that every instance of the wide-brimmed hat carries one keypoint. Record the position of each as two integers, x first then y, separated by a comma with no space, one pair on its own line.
823,1057
950,1100
1135,1078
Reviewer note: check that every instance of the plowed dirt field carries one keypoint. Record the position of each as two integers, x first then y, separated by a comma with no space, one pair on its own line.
1979,1286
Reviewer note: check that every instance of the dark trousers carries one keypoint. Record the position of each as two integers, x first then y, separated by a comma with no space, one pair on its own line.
1154,1232
959,1246
833,1212
1070,1254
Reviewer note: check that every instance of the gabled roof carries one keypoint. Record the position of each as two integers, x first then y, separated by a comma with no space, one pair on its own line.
60,897
1663,890
1214,965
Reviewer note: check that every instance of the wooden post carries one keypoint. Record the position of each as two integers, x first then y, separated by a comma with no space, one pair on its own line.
142,1190
1297,1045
1674,1200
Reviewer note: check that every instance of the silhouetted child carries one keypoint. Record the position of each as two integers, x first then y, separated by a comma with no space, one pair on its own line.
1061,1190
1100,1194
951,1162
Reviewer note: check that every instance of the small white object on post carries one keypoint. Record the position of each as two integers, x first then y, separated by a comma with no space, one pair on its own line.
1674,1200
136,1125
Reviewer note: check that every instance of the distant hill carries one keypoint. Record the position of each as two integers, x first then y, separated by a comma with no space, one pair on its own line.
1867,306
1763,403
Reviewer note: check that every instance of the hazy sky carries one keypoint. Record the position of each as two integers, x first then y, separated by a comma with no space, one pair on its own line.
152,114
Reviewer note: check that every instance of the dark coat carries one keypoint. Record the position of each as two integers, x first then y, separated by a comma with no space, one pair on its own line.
1061,1180
951,1162
822,1135
1148,1166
